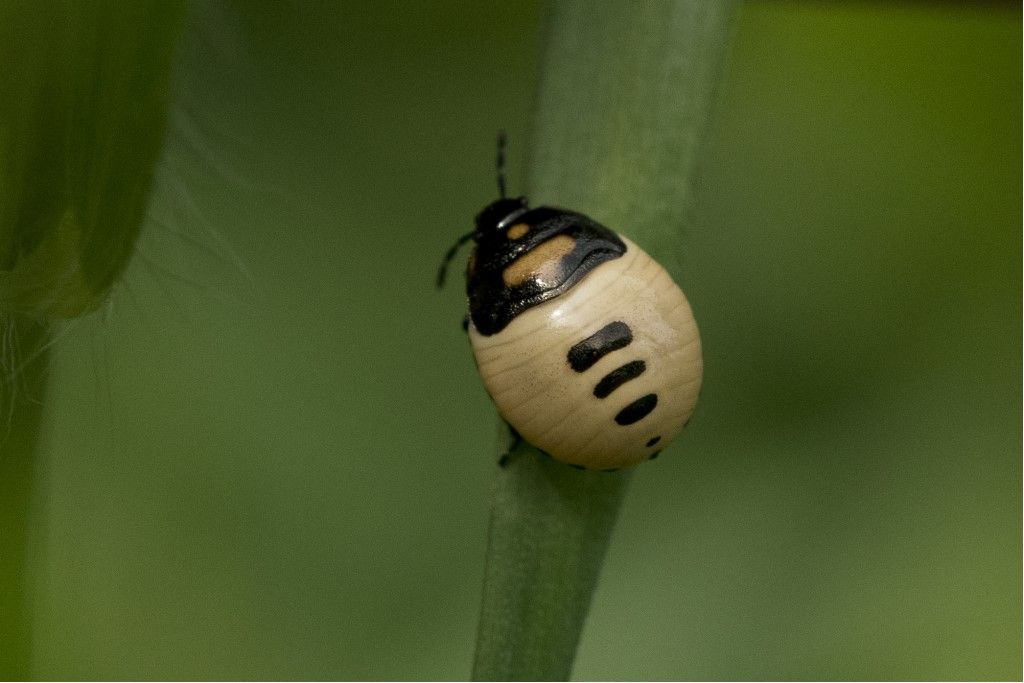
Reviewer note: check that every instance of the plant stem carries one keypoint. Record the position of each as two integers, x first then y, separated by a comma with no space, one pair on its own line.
550,526
84,93
21,399
624,98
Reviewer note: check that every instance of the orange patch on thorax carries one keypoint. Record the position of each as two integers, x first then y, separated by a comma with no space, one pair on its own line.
540,263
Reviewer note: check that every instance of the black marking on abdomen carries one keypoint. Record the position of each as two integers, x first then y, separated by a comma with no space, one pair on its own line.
637,410
654,455
653,441
607,339
616,378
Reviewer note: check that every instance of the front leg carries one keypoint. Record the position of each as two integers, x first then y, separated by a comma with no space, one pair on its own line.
513,443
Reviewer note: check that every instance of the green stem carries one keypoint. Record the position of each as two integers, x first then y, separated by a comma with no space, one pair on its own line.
550,526
84,91
625,93
21,399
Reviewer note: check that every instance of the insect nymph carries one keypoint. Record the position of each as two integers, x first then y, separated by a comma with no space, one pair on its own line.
586,345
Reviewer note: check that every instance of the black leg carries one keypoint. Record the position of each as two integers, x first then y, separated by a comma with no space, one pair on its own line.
514,442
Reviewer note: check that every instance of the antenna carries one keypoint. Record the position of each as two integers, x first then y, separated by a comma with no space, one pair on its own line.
500,164
443,270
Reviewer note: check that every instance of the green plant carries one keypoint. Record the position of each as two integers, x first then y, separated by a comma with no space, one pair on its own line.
625,93
84,89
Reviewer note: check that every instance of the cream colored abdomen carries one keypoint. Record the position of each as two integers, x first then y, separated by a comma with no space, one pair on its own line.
526,370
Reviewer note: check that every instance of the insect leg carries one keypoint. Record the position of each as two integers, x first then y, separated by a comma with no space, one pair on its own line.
513,442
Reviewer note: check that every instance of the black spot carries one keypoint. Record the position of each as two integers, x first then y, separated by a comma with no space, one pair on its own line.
653,441
637,410
616,378
654,455
503,461
607,339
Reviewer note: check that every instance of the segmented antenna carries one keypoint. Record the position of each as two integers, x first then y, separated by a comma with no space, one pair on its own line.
501,164
443,270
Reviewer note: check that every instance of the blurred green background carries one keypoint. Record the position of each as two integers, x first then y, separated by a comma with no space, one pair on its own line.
270,457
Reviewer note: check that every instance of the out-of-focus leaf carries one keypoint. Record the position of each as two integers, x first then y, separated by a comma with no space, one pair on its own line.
84,89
